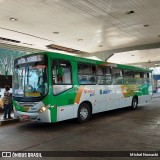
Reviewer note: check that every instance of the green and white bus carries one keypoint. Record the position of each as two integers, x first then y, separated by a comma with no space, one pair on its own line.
52,87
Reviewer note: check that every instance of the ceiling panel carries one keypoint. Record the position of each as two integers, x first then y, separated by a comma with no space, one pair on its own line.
86,25
136,56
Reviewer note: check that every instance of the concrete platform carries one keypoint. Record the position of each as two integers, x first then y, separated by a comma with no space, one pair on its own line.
8,121
156,95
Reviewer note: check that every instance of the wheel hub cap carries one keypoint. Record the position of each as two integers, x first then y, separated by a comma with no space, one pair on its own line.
83,113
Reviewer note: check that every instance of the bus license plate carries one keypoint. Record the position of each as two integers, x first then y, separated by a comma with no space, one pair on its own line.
25,117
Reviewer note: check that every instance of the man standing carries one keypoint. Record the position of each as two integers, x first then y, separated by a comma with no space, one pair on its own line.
7,103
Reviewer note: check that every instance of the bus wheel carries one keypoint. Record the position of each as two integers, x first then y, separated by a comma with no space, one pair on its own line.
134,103
84,113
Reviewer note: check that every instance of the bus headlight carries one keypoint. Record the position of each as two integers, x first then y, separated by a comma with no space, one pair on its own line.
43,109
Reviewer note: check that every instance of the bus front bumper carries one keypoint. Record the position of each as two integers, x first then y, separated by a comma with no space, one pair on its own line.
26,115
34,116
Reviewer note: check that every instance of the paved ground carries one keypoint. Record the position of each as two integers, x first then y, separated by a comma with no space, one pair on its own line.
118,130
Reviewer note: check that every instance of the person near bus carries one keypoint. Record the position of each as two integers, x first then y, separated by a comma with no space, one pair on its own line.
7,103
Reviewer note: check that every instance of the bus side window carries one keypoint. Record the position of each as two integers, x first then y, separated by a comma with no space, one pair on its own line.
54,75
128,77
146,78
137,78
104,75
61,76
86,74
142,77
117,76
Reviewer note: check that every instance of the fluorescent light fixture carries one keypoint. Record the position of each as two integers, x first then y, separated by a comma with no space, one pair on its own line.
13,19
130,12
80,39
146,25
56,32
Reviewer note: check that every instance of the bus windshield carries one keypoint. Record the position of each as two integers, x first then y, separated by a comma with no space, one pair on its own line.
30,81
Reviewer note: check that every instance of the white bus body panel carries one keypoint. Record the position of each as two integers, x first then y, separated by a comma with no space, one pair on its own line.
102,97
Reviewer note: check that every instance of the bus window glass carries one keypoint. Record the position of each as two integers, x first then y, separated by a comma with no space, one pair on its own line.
137,74
116,72
30,81
86,74
146,80
137,77
61,76
117,76
145,75
128,73
128,77
141,75
103,75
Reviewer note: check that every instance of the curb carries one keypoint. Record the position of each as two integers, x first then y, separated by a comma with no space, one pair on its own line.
9,121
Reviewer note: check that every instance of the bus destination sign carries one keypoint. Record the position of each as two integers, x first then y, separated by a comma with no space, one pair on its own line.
29,59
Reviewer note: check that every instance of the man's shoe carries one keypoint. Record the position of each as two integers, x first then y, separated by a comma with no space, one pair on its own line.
4,118
10,117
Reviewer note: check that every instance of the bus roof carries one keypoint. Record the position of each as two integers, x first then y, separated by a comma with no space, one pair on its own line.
98,62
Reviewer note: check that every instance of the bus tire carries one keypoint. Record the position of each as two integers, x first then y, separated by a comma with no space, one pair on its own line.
84,113
134,103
